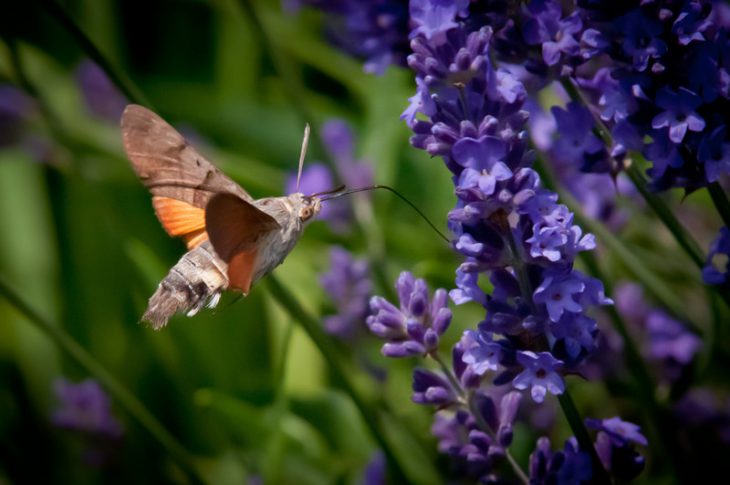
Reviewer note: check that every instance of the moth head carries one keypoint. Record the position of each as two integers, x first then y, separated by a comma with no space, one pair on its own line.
305,206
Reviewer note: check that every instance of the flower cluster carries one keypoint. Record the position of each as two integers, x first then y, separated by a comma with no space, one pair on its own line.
15,107
375,31
669,81
615,446
348,286
476,444
667,341
413,328
717,267
505,223
102,98
85,409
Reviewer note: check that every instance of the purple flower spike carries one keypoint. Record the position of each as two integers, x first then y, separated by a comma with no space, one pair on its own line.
85,408
621,432
348,285
101,96
614,445
415,327
539,375
679,113
717,266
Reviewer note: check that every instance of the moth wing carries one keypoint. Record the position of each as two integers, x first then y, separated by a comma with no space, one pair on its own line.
235,227
167,164
180,219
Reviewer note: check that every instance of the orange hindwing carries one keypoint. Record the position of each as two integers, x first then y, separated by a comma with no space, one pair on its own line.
181,219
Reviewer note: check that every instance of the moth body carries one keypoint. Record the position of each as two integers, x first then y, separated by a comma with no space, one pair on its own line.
197,278
287,211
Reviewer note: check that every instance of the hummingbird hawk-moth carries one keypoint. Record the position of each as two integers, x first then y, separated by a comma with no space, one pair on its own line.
233,240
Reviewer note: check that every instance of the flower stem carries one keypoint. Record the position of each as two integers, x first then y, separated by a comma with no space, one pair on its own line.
121,394
684,240
449,375
314,329
581,434
722,204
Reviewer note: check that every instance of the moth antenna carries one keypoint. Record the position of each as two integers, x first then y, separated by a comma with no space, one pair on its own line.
303,153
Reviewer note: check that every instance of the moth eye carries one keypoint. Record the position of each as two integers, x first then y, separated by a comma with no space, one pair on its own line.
305,213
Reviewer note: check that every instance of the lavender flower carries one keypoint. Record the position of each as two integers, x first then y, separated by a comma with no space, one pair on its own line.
474,449
415,327
567,466
717,266
539,375
614,444
102,98
376,31
375,471
85,408
15,108
668,57
666,341
504,222
349,287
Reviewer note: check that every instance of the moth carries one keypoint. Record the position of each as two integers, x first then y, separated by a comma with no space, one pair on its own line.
232,239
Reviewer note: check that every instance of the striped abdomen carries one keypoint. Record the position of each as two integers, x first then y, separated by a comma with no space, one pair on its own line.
198,277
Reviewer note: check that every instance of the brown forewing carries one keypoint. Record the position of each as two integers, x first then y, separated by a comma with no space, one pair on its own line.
235,229
167,164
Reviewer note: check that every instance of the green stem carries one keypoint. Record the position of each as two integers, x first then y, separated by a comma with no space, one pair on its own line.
120,80
684,240
335,361
581,434
121,394
719,198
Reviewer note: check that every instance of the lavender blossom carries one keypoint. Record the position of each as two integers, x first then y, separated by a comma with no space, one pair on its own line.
15,107
376,31
504,223
476,450
349,288
666,341
85,409
567,466
415,327
717,266
615,446
102,98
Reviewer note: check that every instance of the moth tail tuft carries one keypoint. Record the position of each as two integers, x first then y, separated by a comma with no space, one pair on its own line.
165,303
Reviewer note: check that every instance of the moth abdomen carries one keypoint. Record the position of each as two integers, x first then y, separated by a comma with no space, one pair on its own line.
197,279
